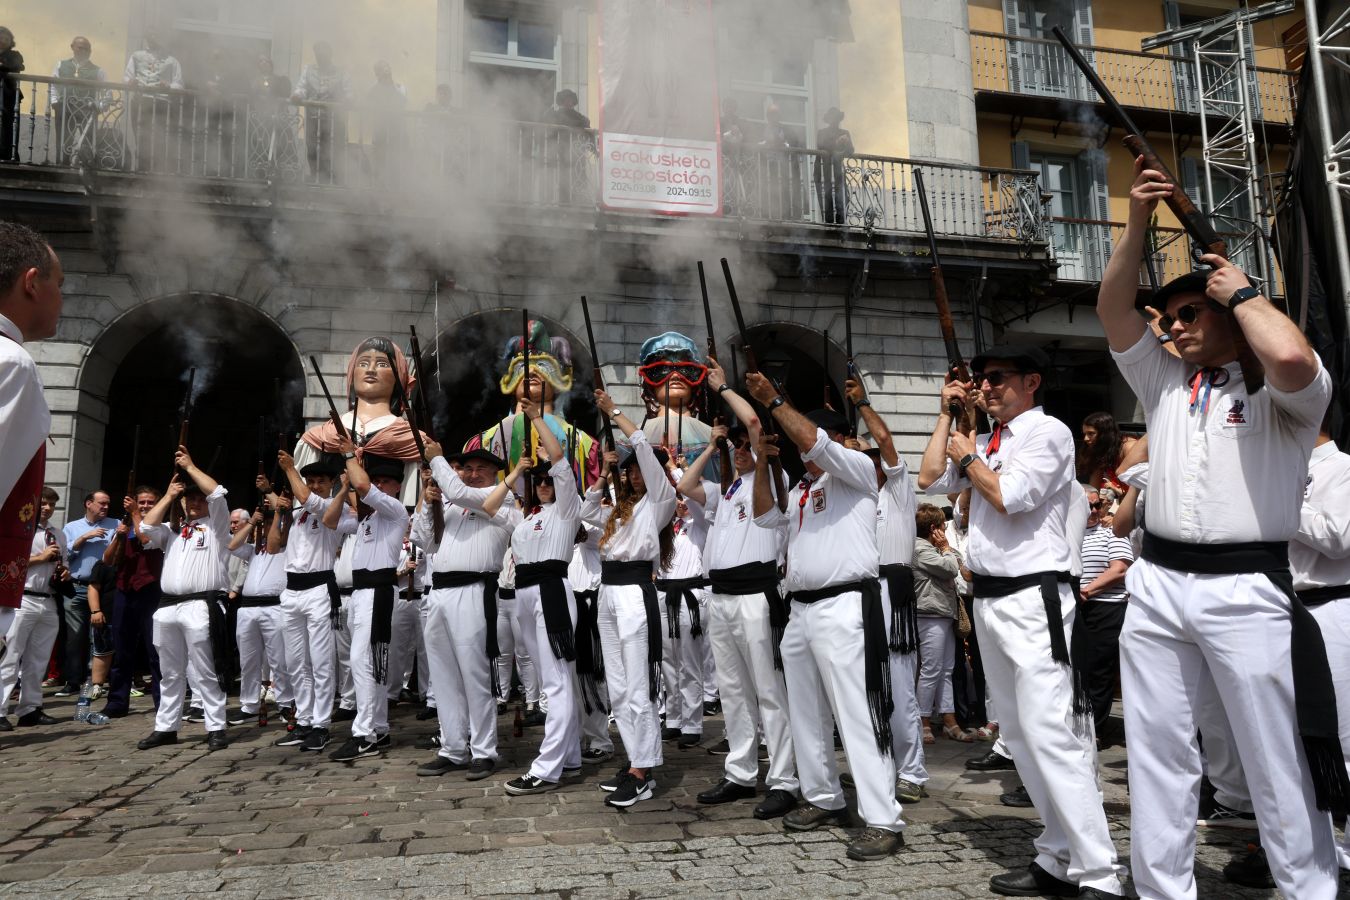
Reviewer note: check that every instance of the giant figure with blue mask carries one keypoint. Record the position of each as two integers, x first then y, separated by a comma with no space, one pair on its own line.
672,373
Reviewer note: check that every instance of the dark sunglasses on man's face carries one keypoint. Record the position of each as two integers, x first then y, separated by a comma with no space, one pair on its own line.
741,443
1186,315
995,378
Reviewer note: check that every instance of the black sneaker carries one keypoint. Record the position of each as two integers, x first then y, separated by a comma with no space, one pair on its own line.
384,741
534,717
612,784
689,740
1215,815
293,738
425,713
194,714
528,784
594,756
316,740
239,717
355,748
1251,870
480,769
571,771
343,714
430,742
670,734
712,707
763,753
440,766
631,790
721,748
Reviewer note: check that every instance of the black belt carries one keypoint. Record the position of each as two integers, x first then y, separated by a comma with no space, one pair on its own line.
639,572
304,581
1314,694
249,602
444,580
876,655
1317,596
990,586
590,658
675,590
39,596
904,636
550,577
757,578
217,630
384,583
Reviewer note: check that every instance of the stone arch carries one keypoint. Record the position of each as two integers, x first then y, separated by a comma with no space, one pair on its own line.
134,374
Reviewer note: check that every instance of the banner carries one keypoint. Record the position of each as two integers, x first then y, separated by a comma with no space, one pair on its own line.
659,133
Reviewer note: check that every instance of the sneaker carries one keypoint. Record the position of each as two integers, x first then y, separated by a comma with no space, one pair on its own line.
384,741
689,740
907,791
712,707
763,753
571,771
292,738
137,692
612,784
481,768
875,843
534,717
430,742
440,766
315,740
670,734
809,817
195,714
355,748
721,748
239,717
68,691
1251,870
593,756
631,790
343,714
98,693
1215,815
528,784
1017,797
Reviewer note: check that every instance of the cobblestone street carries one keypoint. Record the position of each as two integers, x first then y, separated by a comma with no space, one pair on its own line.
83,814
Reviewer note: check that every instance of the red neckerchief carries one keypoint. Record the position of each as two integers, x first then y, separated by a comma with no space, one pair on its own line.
995,440
1210,378
805,485
735,485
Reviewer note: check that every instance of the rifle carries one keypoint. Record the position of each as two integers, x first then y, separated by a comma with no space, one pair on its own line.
724,463
752,365
426,422
1188,214
851,370
964,419
332,409
117,549
825,366
402,396
527,448
185,411
598,377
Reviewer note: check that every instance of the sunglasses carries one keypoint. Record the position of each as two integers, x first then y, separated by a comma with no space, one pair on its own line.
1186,315
996,377
741,443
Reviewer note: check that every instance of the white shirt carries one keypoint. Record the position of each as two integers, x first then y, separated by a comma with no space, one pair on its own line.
472,540
1035,465
550,533
342,566
832,521
1101,547
734,539
896,505
266,572
1231,473
691,534
146,69
1319,553
195,557
637,538
310,545
583,573
39,580
24,417
379,536
331,86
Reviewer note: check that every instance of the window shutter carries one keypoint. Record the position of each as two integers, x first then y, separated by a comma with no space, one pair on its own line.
1192,182
1021,155
1014,47
1099,237
1183,72
1082,36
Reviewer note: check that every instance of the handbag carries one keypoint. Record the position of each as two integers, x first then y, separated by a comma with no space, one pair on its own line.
963,626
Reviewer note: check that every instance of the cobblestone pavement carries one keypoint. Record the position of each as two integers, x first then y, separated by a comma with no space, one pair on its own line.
83,815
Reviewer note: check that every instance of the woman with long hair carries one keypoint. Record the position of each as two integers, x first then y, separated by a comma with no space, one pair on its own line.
635,542
1101,451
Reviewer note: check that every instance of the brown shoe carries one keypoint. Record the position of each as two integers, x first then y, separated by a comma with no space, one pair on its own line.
808,817
875,843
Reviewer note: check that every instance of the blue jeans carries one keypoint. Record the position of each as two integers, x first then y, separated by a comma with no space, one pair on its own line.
75,655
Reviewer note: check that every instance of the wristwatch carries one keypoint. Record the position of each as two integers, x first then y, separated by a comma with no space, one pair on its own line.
863,402
615,413
1241,295
966,461
724,387
776,402
349,456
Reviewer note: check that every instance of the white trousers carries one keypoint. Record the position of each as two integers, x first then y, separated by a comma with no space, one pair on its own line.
461,674
823,661
752,690
1334,620
709,661
423,672
682,669
182,638
937,649
372,697
407,626
7,614
28,647
309,654
344,689
260,634
1219,751
511,644
623,638
561,746
1056,751
1237,628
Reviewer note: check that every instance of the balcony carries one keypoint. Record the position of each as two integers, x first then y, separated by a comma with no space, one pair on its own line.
117,135
1031,76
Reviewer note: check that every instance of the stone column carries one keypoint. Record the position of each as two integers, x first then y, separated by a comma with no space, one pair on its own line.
939,83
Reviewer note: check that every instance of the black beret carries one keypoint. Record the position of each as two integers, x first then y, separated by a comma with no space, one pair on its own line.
479,454
830,420
1027,357
382,467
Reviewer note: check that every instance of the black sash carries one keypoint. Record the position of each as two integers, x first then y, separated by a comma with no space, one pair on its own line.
383,582
590,659
904,636
876,658
250,602
442,580
1314,693
1317,596
550,577
506,593
639,572
304,581
675,589
757,578
216,629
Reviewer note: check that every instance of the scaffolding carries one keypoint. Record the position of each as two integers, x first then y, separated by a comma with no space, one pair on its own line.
1328,47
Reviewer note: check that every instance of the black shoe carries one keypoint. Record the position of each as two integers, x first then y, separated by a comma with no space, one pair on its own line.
384,741
838,741
480,769
1215,815
594,756
846,780
670,734
990,762
440,766
215,740
809,817
712,707
631,790
354,748
343,714
776,803
36,717
115,713
1017,797
157,739
612,784
528,784
293,738
239,717
406,696
689,740
425,713
726,791
763,753
1092,893
68,690
194,715
430,742
1033,881
534,717
1251,870
501,707
721,748
5,725
315,740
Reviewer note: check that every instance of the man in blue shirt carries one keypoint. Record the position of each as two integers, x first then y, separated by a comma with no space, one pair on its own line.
87,538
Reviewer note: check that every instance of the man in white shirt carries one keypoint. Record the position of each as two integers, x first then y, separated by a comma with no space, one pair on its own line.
1022,511
31,635
260,631
1210,594
194,581
155,113
1102,612
835,648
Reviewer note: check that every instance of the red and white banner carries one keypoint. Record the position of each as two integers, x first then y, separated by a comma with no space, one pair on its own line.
659,134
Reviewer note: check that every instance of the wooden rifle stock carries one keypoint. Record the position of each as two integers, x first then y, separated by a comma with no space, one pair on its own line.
598,378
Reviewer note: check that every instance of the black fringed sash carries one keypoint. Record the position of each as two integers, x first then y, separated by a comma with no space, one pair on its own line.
384,583
304,581
444,580
904,636
550,577
639,572
757,578
674,590
1314,693
218,633
876,655
590,659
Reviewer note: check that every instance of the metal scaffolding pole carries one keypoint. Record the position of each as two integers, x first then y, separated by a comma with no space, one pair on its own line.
1326,48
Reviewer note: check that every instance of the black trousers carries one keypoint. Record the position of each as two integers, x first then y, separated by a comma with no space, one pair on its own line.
1101,622
969,697
133,627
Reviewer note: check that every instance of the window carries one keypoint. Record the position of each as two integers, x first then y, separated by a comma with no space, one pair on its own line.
513,64
1077,189
780,77
1040,66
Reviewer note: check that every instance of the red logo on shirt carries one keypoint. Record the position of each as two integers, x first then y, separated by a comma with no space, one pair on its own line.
818,500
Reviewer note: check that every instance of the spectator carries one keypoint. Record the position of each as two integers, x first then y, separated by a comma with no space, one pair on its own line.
322,82
564,111
273,151
133,606
560,149
236,566
831,190
385,101
936,568
442,103
1102,610
11,98
33,631
1101,451
102,586
87,538
781,170
155,113
75,110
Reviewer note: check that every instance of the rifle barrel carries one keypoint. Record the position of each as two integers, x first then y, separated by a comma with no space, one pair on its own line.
332,409
599,378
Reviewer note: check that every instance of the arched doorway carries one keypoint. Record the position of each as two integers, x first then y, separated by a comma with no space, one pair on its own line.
466,365
248,386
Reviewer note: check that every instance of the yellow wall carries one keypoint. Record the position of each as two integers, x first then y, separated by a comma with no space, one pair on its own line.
43,32
872,80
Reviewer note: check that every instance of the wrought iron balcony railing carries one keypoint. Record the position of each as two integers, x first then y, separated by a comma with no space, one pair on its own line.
1033,66
115,128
